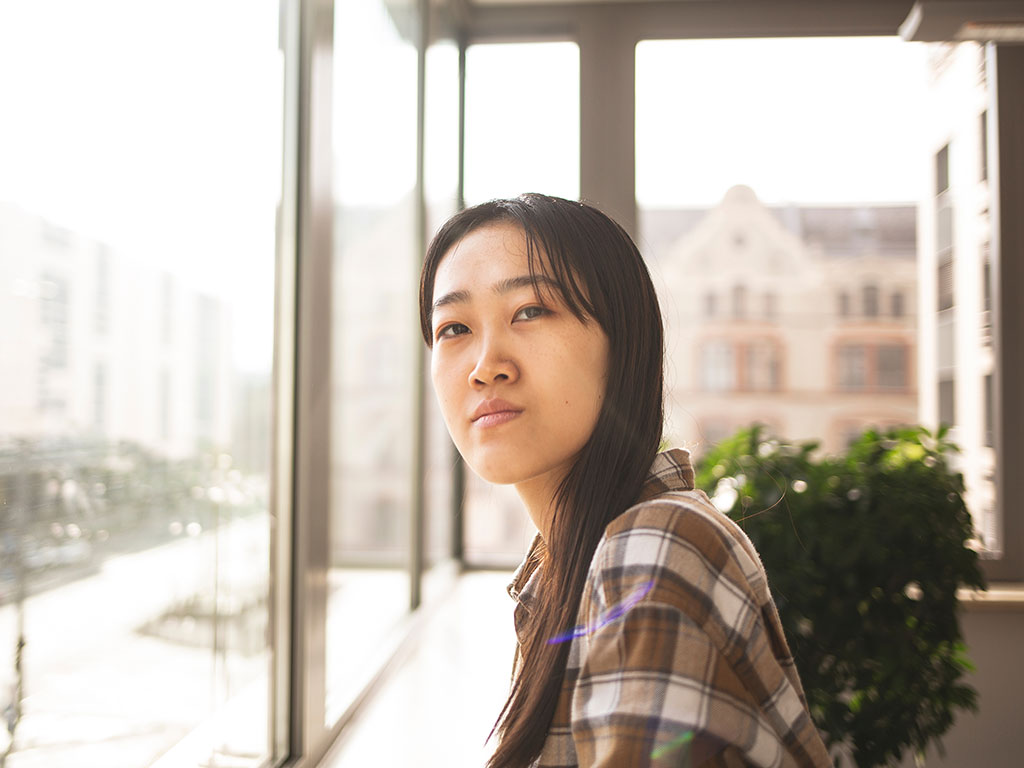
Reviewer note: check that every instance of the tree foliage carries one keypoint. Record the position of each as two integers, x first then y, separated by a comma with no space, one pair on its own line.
864,554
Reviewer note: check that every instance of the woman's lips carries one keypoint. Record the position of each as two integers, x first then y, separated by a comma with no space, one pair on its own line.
495,418
494,411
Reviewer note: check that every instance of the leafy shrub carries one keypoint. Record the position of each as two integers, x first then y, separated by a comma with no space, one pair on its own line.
864,554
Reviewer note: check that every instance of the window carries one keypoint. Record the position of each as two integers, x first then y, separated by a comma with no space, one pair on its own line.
709,304
897,308
761,366
989,438
986,280
373,373
769,306
853,367
942,170
739,302
844,304
718,366
892,367
945,284
871,301
139,562
947,402
983,144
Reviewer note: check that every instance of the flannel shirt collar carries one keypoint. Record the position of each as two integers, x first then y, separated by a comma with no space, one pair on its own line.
670,471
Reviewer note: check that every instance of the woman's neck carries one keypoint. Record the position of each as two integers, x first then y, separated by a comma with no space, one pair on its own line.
538,496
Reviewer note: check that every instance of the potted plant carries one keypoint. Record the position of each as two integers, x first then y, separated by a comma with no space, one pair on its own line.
864,553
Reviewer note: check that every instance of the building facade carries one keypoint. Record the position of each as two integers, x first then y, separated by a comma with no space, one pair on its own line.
956,355
798,318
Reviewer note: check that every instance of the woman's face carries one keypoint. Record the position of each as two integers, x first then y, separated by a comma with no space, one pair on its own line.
519,379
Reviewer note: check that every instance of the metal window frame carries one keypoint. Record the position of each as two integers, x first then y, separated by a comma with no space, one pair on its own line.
301,498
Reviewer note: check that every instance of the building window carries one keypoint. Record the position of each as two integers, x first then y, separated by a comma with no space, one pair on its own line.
942,170
709,305
844,304
871,301
983,143
945,284
897,304
102,318
761,367
947,402
892,367
990,440
986,280
718,366
853,367
739,302
769,306
53,314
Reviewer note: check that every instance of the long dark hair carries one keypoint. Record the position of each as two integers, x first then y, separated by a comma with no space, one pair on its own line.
601,275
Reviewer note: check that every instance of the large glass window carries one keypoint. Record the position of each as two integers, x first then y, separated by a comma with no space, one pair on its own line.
140,175
441,192
374,336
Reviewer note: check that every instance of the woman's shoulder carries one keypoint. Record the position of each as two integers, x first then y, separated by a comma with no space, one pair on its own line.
678,538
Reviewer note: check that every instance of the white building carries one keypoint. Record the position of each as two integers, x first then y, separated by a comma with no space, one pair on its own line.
802,319
955,274
101,346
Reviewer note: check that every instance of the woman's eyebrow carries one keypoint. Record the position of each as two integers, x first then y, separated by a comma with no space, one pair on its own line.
507,285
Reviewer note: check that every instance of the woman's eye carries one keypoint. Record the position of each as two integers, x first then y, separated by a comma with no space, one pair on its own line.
452,329
529,313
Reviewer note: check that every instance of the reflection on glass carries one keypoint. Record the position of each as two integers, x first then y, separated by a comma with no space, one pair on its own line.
135,400
374,333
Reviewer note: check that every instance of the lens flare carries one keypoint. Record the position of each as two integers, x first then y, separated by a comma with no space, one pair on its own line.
612,614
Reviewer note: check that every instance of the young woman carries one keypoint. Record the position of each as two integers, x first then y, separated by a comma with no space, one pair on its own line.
646,632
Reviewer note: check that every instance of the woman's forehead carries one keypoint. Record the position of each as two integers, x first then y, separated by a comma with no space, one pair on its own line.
483,258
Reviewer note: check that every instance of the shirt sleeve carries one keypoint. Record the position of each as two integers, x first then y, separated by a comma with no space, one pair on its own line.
680,665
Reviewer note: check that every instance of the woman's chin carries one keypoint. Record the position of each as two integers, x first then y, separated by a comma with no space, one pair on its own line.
498,472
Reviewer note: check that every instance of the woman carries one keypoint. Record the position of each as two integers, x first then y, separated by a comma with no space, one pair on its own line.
646,632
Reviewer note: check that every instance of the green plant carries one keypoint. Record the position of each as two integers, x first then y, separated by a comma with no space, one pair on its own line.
864,554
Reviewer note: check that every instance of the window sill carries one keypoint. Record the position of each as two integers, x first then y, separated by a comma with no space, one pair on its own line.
1000,597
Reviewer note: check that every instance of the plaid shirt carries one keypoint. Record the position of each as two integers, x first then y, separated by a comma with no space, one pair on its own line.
679,657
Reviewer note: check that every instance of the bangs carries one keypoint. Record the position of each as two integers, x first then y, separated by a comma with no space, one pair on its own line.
552,269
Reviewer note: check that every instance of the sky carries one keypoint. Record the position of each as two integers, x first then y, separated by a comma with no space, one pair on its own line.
156,128
812,120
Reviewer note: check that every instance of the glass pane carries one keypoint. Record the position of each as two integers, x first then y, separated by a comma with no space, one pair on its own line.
140,173
375,333
808,183
522,120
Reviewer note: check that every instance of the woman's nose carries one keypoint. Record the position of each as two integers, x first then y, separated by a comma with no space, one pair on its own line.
493,365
